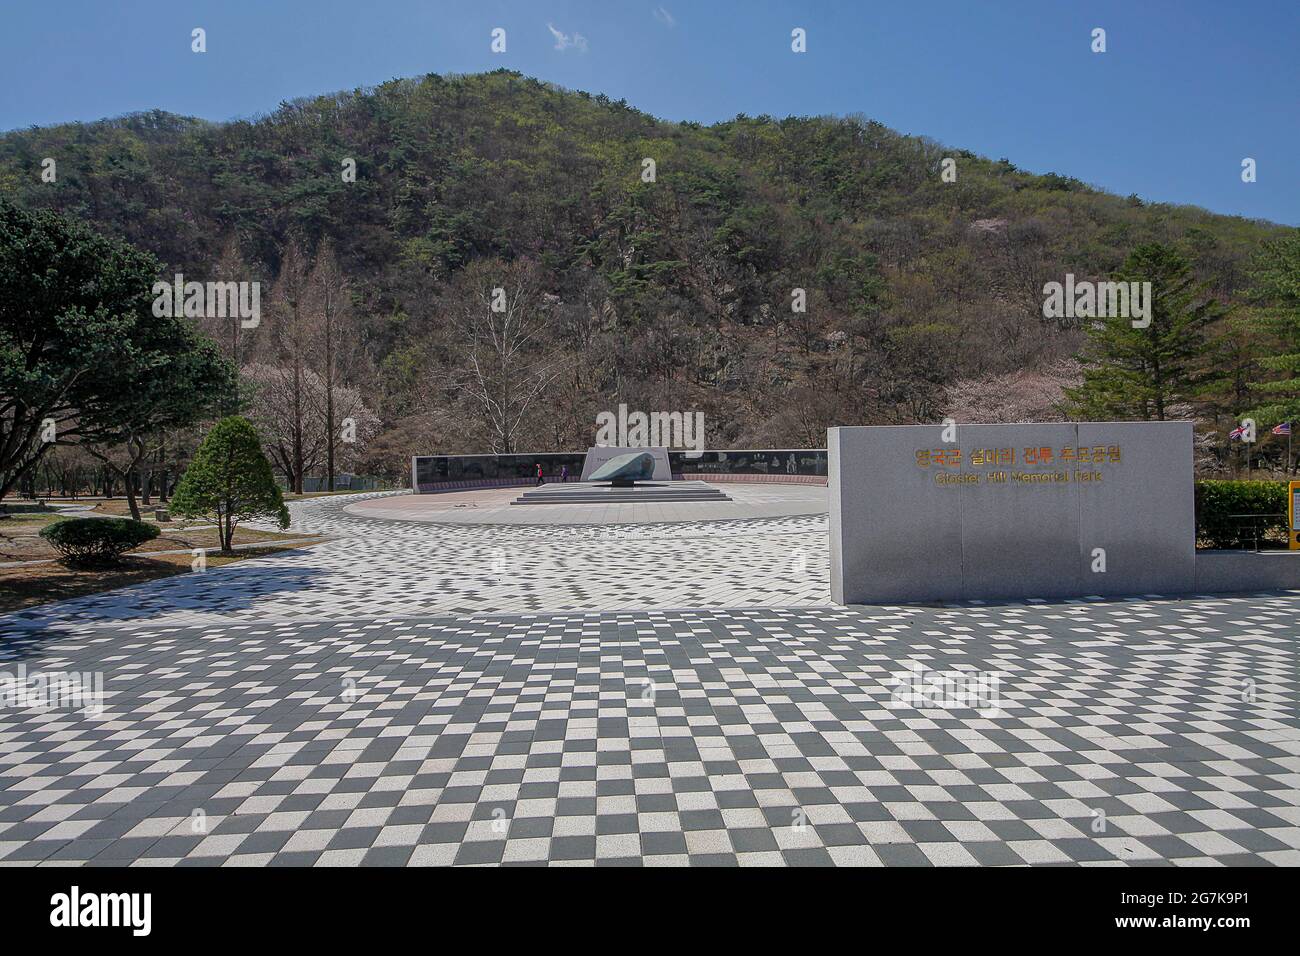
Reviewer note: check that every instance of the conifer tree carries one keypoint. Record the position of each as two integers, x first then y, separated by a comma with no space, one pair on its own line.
230,479
1143,372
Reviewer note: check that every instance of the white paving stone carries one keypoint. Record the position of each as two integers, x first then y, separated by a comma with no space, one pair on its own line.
382,567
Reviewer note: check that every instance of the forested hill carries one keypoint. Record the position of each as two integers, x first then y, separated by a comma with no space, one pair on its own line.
671,294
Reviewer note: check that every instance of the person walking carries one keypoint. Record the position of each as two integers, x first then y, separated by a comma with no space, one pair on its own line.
564,474
540,479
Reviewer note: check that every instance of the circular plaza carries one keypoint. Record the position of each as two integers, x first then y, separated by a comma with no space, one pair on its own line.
464,628
738,501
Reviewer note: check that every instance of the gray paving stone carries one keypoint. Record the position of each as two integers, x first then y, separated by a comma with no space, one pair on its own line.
364,737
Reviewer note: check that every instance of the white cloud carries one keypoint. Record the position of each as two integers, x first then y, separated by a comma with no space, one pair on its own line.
664,17
564,42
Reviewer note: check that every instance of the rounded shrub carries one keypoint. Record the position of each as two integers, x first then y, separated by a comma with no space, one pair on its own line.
96,541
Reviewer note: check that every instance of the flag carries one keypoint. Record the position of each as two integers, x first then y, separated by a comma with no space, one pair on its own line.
1237,432
1283,429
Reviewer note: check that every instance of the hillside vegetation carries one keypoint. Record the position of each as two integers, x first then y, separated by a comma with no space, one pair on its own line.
674,294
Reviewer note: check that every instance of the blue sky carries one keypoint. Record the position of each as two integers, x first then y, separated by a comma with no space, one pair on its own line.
1183,93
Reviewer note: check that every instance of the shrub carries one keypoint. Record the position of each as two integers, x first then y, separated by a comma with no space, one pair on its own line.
96,541
1217,501
231,480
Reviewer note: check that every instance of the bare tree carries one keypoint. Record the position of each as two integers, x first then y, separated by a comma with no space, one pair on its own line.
226,330
292,334
509,359
330,305
277,396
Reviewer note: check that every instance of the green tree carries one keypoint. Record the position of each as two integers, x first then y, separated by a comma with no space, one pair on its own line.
1236,356
1142,373
231,480
498,168
183,380
83,359
1276,285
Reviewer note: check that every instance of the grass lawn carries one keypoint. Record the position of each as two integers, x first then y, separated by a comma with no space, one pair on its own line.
33,584
119,508
20,538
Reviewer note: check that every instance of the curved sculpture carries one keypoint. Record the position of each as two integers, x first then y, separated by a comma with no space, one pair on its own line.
624,470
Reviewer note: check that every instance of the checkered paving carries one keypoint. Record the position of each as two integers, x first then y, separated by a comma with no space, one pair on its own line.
1123,733
377,566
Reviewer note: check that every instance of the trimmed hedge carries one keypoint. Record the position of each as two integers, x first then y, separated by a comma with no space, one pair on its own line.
96,541
1217,500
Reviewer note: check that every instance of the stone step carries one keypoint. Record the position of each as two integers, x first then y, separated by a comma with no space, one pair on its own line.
616,499
646,493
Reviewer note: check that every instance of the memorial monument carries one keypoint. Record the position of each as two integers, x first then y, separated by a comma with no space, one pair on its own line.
962,512
624,471
598,455
631,477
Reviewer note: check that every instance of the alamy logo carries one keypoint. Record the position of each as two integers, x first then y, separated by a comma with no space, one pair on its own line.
654,430
211,300
949,690
75,908
1098,300
53,690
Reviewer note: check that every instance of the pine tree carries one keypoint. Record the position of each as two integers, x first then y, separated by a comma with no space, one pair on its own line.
83,353
1235,355
231,480
1142,373
1276,285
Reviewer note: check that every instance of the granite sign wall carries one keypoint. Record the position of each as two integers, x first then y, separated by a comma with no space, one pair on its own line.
935,513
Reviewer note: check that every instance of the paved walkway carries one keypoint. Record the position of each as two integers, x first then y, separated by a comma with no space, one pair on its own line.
328,708
379,566
1118,734
493,506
